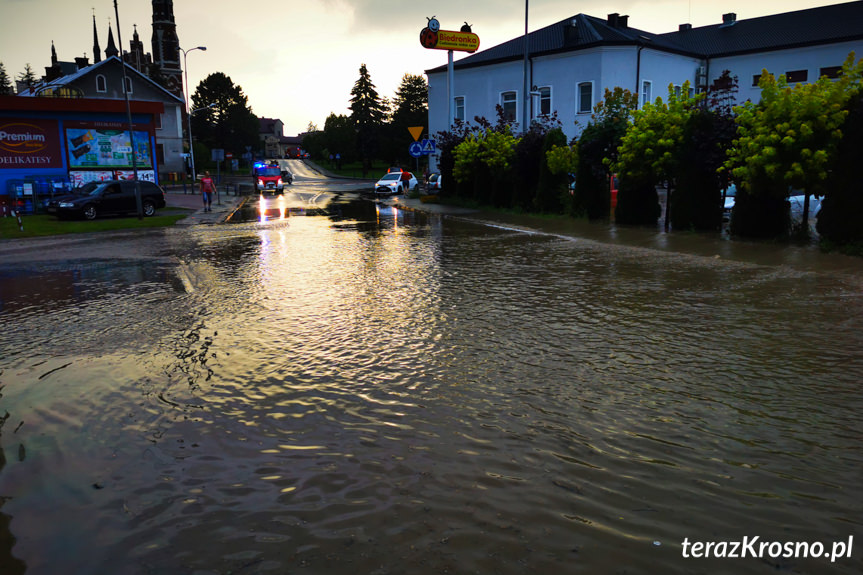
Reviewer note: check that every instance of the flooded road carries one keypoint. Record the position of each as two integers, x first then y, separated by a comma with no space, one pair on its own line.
333,385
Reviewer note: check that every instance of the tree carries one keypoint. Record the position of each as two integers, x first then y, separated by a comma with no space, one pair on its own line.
28,77
484,159
698,201
410,106
840,220
367,113
6,88
224,119
597,151
340,136
652,150
787,140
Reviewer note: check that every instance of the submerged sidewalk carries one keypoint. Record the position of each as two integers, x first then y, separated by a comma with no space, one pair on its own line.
223,206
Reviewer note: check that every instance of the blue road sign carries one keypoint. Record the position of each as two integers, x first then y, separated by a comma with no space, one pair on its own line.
428,146
416,149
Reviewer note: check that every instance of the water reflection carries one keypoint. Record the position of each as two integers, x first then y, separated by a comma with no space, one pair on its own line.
377,389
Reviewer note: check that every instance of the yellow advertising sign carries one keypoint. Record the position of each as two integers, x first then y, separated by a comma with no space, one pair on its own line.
449,40
462,41
416,132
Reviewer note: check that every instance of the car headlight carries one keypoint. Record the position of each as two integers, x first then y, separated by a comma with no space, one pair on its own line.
66,205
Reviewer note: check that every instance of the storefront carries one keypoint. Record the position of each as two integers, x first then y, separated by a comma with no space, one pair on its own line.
51,145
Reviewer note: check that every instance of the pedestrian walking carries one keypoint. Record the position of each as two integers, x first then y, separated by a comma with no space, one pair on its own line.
207,190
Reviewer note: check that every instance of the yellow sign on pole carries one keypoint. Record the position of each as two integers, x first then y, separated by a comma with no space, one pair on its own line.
462,41
416,132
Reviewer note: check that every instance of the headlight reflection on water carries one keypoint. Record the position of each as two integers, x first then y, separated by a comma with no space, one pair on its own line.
273,209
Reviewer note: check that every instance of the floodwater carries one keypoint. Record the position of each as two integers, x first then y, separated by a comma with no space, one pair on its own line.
340,386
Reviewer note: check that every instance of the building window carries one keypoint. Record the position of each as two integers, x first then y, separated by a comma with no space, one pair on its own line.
101,85
646,92
545,101
459,108
797,76
128,82
755,79
585,97
830,72
509,102
158,121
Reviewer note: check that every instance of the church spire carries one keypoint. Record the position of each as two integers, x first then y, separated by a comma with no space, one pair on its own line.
111,50
53,54
97,52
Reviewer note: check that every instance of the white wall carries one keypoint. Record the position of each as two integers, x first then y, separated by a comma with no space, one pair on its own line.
779,62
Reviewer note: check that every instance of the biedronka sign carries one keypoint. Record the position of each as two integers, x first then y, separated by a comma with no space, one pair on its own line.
434,38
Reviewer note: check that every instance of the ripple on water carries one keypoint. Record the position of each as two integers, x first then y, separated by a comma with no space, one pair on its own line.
422,396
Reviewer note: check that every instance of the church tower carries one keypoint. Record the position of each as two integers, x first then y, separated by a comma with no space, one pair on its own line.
97,52
111,50
166,46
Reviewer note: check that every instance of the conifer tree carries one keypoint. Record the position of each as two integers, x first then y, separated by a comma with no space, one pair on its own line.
28,77
5,82
367,113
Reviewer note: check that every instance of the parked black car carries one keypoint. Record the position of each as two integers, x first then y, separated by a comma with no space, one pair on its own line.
108,197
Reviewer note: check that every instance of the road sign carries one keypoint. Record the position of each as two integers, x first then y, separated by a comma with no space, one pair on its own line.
415,149
428,146
217,154
416,132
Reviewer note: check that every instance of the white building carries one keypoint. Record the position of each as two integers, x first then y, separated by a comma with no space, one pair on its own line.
571,63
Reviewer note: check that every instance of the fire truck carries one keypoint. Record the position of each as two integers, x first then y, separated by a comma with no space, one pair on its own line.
267,178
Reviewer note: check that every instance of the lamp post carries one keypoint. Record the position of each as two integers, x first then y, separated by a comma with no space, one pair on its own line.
189,108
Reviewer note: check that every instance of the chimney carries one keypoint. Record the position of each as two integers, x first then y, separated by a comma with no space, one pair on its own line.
729,18
570,33
612,19
82,62
684,27
623,21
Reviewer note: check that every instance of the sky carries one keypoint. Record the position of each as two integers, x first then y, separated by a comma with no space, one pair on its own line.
298,61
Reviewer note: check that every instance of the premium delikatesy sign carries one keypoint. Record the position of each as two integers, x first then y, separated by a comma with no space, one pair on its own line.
29,144
106,145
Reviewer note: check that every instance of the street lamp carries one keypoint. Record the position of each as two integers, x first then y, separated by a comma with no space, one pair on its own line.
189,107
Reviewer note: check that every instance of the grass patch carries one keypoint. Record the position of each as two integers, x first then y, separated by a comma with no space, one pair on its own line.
45,225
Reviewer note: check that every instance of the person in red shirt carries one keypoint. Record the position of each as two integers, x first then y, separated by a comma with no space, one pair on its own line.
207,190
406,181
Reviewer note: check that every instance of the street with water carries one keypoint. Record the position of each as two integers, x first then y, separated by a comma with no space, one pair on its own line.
331,384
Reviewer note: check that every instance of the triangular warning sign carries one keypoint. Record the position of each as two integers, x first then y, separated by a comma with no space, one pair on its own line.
416,132
428,146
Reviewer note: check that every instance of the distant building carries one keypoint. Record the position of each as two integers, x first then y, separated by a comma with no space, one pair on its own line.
274,143
572,63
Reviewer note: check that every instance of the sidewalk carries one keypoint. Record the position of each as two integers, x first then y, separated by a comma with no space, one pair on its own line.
223,205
